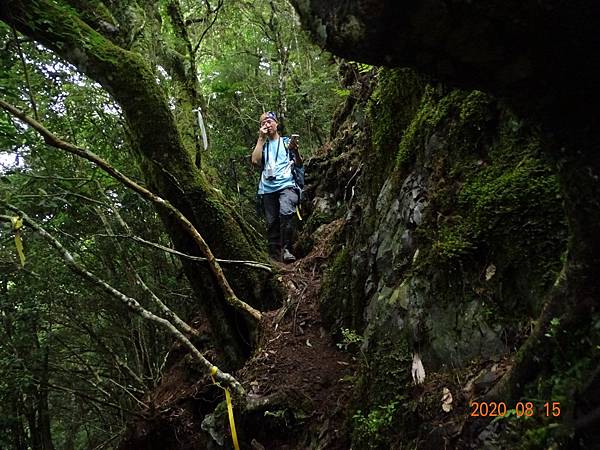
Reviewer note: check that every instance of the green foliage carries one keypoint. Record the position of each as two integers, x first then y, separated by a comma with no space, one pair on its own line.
361,68
243,70
55,326
256,58
554,326
370,431
349,338
248,58
342,92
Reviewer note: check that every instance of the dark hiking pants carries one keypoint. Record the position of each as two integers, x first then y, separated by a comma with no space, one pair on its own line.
280,207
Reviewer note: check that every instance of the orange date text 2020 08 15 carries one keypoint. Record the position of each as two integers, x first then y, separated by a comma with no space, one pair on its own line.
521,409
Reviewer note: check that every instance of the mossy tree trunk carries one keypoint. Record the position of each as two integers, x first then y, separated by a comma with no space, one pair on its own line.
87,35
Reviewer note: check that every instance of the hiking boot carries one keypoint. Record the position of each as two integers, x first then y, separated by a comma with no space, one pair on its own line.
287,231
287,257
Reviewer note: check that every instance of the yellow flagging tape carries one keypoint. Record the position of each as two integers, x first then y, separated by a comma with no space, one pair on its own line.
231,420
298,212
236,445
17,224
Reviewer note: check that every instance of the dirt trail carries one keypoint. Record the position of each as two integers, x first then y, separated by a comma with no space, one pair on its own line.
297,356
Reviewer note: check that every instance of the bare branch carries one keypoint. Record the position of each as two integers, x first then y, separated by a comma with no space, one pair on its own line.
255,264
183,326
106,348
57,178
26,73
169,314
128,392
216,14
215,268
93,399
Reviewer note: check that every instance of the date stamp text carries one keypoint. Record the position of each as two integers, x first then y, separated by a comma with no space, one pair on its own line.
521,409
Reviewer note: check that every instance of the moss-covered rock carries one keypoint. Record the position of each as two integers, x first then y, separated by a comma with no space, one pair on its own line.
457,231
341,299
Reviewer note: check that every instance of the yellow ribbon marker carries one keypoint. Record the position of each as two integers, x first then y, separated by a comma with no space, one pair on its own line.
17,224
298,212
213,372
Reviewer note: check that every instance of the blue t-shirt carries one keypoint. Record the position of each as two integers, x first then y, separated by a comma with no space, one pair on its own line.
276,164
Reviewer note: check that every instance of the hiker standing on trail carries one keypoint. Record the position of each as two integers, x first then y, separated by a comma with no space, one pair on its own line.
277,156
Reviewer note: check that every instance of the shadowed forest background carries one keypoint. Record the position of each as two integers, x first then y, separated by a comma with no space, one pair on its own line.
448,245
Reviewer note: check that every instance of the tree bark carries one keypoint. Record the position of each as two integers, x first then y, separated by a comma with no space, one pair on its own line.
43,414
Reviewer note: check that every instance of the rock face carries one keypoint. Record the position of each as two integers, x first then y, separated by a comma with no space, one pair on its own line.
452,234
542,55
492,236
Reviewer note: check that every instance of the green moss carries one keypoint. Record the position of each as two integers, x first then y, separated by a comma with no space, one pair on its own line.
384,409
413,133
510,209
390,110
461,114
475,108
495,198
336,292
453,242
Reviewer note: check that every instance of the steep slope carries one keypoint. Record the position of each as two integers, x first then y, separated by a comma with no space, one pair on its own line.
434,229
466,225
299,382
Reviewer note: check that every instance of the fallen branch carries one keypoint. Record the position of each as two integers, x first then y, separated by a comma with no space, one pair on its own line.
55,141
254,264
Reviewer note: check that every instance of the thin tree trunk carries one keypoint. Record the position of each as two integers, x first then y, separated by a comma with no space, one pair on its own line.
19,438
43,413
